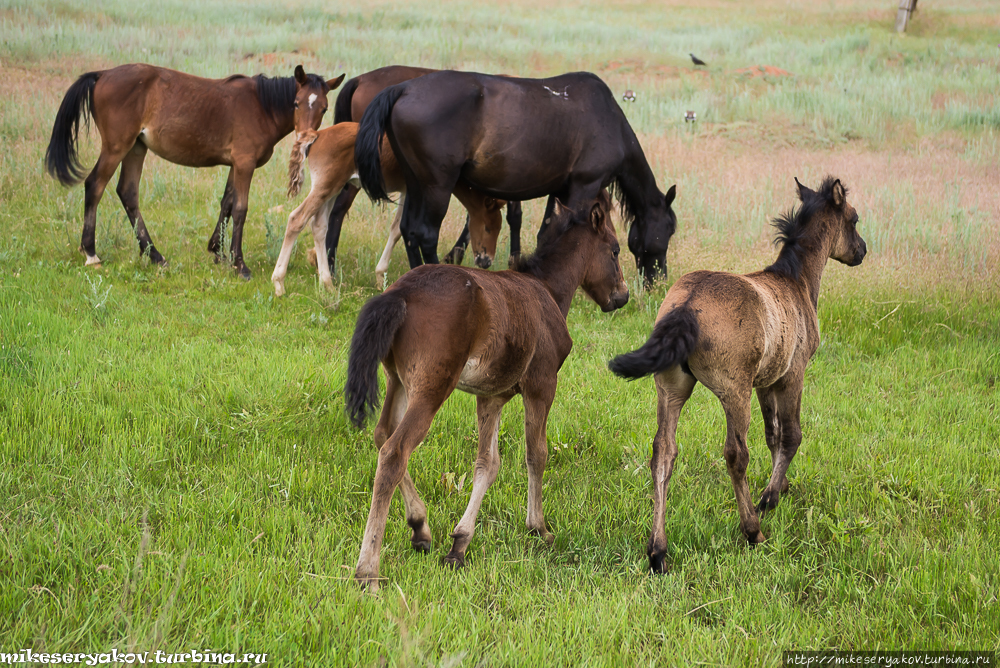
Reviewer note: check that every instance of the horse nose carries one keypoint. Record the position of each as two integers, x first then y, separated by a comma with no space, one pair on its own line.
483,261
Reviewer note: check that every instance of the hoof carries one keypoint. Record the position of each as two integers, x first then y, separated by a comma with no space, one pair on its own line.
455,256
513,260
658,563
311,256
367,582
455,561
279,288
156,258
92,261
546,535
756,540
243,272
421,546
768,501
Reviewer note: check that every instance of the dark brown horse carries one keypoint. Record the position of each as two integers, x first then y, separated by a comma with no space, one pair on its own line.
513,139
182,118
492,334
351,103
736,333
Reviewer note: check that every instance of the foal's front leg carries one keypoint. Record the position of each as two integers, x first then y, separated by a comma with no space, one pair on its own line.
488,410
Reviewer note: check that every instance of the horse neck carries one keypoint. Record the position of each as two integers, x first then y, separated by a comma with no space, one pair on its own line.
814,253
562,275
637,183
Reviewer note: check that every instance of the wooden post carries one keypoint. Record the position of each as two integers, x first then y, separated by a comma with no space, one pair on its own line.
906,9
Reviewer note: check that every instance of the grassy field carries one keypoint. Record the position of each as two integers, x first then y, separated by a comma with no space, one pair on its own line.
176,469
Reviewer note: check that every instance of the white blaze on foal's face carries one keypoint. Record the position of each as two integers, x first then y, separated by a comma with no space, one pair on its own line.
312,99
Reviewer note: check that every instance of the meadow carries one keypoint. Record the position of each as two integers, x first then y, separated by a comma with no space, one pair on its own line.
176,468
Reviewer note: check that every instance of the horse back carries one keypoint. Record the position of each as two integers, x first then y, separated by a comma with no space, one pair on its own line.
751,327
372,83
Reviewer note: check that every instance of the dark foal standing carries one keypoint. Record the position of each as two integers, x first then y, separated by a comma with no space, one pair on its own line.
351,103
736,333
492,334
182,118
513,139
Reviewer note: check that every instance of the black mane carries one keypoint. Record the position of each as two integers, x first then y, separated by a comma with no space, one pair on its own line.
792,227
277,94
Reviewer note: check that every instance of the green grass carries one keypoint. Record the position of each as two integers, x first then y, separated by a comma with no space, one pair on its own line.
177,472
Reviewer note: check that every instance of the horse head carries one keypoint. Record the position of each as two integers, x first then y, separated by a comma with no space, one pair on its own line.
603,280
648,239
310,99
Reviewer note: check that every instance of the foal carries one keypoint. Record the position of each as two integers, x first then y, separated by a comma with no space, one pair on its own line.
735,333
331,166
492,334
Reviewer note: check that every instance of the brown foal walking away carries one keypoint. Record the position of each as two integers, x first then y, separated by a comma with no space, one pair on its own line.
492,334
736,333
187,120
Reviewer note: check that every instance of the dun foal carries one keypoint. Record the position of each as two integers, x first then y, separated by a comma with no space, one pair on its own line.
735,333
492,334
331,166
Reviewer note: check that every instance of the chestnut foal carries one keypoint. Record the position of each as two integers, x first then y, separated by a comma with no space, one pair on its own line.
736,333
492,334
331,166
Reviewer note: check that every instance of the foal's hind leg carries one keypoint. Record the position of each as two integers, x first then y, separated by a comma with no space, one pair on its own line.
225,213
537,402
736,404
780,409
673,388
487,466
392,412
390,243
128,193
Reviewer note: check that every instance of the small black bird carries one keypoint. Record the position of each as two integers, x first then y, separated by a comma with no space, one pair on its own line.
696,60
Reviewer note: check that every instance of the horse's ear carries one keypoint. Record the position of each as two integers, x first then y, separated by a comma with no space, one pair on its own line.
803,191
839,196
300,76
333,83
671,194
598,213
560,209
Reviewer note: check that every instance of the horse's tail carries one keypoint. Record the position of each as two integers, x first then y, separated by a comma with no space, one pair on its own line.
342,108
377,325
673,339
61,159
367,147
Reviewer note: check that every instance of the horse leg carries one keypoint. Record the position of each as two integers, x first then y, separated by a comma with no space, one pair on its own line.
392,412
783,431
457,252
243,174
550,207
225,212
488,410
319,222
423,211
383,262
736,404
393,457
336,222
537,402
94,187
128,193
297,219
514,223
673,388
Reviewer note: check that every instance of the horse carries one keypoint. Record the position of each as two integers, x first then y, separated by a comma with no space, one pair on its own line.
182,118
492,334
513,139
351,103
331,164
735,333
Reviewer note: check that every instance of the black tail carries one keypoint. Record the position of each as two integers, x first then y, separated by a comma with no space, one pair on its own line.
671,343
377,324
342,108
61,159
367,146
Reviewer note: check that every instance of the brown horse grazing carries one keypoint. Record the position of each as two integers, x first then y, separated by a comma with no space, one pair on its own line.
492,334
182,118
735,333
351,103
331,165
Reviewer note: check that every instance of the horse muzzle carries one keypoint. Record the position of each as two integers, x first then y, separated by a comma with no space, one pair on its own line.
616,301
483,261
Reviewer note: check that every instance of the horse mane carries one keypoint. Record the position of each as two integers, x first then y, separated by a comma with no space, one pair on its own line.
792,226
624,189
548,245
277,94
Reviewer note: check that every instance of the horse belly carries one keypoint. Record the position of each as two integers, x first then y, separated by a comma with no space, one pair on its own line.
484,379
